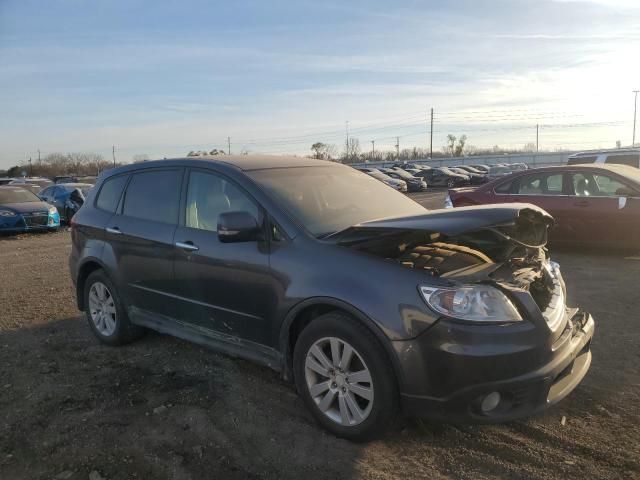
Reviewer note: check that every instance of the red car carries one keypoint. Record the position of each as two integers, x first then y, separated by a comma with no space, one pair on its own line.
592,205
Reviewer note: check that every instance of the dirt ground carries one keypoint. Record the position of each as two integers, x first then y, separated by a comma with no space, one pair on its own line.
71,408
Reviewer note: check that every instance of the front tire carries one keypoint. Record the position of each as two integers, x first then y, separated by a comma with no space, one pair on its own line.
451,183
344,377
105,311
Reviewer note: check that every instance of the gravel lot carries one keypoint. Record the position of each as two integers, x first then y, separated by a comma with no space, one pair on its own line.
163,408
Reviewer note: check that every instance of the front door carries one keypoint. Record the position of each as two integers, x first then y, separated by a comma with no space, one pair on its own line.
606,210
225,289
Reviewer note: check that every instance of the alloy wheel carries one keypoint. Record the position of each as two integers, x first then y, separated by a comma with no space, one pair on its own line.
339,381
102,309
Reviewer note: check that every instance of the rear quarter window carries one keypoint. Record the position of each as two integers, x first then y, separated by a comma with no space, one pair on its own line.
581,160
632,160
154,195
110,193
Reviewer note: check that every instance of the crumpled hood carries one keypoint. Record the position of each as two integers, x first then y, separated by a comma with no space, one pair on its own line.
26,207
521,222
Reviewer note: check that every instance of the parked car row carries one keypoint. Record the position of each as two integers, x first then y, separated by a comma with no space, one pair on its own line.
21,211
417,177
39,204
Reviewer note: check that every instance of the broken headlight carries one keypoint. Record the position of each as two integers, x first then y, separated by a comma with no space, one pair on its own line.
474,303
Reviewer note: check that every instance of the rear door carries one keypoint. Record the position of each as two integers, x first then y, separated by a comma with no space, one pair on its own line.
546,190
139,239
225,289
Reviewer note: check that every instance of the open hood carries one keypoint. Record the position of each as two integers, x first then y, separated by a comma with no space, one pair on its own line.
524,224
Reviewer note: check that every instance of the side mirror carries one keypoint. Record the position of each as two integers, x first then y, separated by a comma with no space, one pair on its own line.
237,227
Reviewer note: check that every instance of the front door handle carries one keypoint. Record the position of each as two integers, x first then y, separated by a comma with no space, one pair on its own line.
189,246
114,230
582,203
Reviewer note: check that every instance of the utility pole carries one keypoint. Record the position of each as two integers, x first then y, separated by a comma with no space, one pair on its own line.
228,145
38,155
431,135
537,136
373,149
347,144
30,168
635,109
398,148
113,154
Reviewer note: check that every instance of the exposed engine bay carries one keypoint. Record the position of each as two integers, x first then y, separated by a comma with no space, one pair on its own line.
509,253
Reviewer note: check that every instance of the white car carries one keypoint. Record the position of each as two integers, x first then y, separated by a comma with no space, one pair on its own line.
627,156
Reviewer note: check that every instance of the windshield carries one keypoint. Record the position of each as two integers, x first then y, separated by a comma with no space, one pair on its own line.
17,195
329,199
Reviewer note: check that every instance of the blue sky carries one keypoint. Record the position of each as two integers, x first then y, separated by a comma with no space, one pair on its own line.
165,77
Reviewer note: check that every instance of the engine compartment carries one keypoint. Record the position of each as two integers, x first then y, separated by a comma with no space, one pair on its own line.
482,256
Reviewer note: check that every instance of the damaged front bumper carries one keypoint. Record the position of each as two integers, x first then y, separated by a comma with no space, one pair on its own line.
467,372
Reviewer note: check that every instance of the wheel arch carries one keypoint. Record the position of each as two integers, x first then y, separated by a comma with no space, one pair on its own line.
87,267
302,314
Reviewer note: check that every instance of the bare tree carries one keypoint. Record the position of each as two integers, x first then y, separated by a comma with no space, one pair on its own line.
352,150
323,151
454,149
318,150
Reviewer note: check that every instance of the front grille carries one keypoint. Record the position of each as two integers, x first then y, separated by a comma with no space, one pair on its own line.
36,219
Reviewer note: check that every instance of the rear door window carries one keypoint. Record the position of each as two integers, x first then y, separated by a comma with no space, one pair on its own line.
154,195
541,184
632,160
504,187
110,193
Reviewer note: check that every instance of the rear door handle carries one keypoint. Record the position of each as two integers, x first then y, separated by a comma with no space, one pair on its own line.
582,203
188,246
114,230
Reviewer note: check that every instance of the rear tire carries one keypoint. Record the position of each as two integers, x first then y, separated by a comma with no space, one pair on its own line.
105,311
451,183
351,391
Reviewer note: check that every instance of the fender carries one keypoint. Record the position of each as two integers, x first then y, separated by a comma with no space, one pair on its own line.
342,305
80,288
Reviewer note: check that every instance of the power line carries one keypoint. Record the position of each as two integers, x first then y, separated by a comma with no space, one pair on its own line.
635,108
431,136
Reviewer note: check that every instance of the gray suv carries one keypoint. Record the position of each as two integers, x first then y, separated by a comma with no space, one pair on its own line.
370,304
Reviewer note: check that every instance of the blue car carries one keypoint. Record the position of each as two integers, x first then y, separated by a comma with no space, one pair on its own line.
23,211
58,196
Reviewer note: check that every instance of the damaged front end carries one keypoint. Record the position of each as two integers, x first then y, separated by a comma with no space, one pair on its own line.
503,345
477,249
